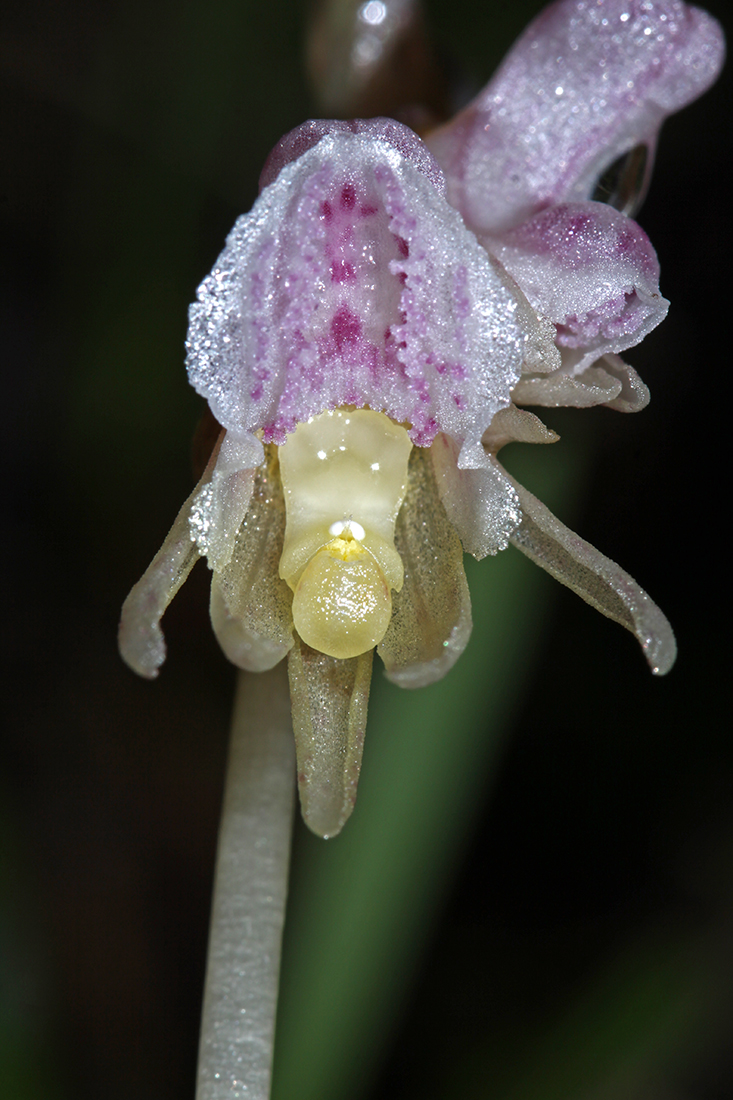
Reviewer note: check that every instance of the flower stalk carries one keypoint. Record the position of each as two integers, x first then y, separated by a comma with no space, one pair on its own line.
250,889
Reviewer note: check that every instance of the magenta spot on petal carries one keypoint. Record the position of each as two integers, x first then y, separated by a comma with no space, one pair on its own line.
616,317
342,272
368,211
422,435
625,242
577,224
345,327
278,430
403,246
348,196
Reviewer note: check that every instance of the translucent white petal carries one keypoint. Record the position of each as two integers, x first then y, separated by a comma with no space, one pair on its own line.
593,386
250,604
221,503
597,579
329,701
634,395
141,641
480,502
515,425
206,524
431,619
609,381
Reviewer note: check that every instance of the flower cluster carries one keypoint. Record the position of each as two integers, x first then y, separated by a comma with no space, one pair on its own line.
367,341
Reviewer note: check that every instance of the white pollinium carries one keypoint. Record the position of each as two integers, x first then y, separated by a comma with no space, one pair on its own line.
344,477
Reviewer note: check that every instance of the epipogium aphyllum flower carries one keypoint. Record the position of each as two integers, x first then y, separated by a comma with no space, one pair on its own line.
367,342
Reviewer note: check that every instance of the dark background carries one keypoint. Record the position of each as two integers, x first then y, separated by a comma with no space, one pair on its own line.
585,948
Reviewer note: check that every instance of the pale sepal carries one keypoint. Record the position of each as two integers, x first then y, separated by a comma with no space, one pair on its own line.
541,356
609,381
329,699
634,395
513,425
250,605
221,503
141,641
479,501
593,386
598,580
431,617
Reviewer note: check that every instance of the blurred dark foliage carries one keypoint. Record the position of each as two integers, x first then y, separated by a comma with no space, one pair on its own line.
132,135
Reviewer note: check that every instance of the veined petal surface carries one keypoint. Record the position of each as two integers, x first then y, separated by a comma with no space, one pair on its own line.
598,580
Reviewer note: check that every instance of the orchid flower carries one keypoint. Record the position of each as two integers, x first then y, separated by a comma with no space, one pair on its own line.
367,342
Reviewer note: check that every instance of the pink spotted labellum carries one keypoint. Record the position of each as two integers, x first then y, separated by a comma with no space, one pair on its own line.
367,341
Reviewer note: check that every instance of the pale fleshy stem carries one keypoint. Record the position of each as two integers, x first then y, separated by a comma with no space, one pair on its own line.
250,888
